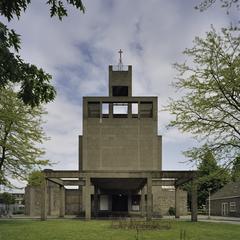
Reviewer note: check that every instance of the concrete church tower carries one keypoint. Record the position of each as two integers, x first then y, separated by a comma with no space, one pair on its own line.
120,131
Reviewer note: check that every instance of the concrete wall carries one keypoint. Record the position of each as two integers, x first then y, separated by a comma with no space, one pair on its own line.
120,143
33,200
73,201
163,199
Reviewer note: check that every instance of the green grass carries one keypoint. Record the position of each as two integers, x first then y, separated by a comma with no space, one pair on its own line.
99,230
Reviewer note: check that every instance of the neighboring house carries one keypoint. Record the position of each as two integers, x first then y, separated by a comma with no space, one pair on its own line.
226,201
17,207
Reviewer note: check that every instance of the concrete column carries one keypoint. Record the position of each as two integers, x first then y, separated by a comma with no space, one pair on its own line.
149,198
95,201
87,199
142,203
31,200
50,200
129,110
194,202
62,201
80,199
44,200
110,110
177,202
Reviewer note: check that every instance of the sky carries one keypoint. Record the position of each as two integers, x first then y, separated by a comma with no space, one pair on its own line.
78,50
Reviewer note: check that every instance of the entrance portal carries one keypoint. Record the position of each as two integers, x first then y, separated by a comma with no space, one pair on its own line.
119,203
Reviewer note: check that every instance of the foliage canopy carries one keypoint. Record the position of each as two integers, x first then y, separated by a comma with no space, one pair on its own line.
20,135
209,107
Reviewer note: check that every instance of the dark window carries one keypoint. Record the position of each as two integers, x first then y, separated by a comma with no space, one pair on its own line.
146,109
120,91
93,109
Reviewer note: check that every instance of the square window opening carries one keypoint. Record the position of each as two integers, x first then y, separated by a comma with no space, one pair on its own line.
120,91
105,110
120,110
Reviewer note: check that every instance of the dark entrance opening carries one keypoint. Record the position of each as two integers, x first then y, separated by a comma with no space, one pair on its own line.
119,203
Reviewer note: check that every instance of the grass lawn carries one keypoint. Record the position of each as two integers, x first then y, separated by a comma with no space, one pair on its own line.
99,230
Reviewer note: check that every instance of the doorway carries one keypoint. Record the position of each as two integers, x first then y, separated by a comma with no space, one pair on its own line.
119,203
225,209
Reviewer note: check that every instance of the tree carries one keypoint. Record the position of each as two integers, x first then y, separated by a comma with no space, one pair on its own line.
236,169
34,83
227,4
209,107
35,178
211,177
20,136
12,8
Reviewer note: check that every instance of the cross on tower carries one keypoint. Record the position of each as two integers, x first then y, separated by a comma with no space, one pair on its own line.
120,52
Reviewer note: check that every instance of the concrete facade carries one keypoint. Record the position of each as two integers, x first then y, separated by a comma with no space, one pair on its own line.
120,160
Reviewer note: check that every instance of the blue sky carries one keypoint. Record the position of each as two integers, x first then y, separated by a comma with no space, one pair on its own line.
78,50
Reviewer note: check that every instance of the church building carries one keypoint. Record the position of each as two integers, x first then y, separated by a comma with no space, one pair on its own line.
120,162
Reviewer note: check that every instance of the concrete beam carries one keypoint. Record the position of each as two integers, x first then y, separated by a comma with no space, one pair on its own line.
189,175
163,182
73,182
56,181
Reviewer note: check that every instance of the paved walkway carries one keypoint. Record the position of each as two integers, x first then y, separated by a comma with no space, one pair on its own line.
202,218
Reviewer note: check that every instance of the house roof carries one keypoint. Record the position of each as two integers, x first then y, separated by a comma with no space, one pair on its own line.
230,190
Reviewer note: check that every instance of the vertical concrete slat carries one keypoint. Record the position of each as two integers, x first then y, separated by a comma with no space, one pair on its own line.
62,201
194,202
95,201
149,198
87,199
143,202
80,152
44,200
177,202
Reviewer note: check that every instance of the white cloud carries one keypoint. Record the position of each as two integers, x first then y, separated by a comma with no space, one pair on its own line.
78,50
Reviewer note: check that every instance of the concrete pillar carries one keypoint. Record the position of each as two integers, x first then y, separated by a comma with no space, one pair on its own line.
177,202
50,200
95,201
142,203
110,110
44,200
87,199
149,198
129,110
80,199
62,201
31,206
194,202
